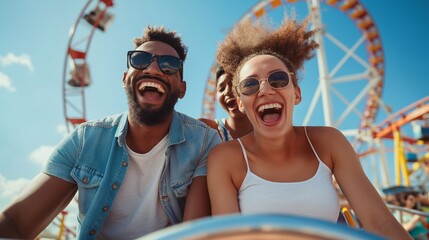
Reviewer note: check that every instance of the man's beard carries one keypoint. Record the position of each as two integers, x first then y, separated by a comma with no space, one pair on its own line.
150,117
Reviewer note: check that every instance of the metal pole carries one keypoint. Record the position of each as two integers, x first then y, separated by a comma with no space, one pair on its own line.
321,60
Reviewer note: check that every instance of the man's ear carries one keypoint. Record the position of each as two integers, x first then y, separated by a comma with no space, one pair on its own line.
298,96
124,77
182,89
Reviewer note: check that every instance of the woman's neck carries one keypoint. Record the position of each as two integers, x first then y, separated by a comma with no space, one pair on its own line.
280,145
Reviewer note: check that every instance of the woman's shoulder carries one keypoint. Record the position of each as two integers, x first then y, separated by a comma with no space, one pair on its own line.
323,133
226,153
226,148
209,122
325,140
325,129
226,160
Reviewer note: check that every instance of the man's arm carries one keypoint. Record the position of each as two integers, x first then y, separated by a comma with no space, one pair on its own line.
40,202
197,201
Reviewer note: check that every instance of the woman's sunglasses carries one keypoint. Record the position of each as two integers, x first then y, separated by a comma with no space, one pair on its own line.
276,80
141,60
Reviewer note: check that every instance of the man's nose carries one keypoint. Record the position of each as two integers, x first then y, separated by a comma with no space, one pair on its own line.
153,67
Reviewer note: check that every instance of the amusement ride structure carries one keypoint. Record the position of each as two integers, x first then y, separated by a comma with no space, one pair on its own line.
371,140
76,73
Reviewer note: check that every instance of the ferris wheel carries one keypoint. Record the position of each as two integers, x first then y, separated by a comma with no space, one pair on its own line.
76,74
365,102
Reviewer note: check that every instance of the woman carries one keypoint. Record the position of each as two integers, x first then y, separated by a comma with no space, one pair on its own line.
279,167
237,124
414,224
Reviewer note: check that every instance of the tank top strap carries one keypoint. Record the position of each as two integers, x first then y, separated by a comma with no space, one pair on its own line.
225,135
244,154
311,145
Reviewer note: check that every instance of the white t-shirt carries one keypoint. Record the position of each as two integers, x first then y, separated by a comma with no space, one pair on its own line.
137,210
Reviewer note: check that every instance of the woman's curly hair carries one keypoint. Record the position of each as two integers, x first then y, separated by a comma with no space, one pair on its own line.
291,43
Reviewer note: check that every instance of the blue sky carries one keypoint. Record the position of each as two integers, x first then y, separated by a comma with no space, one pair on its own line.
34,37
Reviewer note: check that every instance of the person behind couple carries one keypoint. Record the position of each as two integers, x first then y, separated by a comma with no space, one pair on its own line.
236,124
279,167
420,178
415,224
135,172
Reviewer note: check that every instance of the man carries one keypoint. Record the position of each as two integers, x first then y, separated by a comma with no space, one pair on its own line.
135,172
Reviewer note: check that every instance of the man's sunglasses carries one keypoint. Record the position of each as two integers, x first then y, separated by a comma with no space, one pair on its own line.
141,60
276,80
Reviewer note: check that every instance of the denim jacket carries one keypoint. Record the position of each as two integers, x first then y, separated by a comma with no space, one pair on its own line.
94,157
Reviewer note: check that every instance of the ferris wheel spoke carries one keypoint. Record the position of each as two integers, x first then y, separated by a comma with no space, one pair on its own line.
347,56
350,132
344,100
351,77
346,49
356,101
74,107
82,40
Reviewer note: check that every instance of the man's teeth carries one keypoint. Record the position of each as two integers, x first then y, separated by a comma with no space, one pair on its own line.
152,84
268,106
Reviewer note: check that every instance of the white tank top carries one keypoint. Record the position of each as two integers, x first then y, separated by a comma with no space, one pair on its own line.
315,197
137,210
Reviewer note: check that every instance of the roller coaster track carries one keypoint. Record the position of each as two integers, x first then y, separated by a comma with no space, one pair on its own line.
418,110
